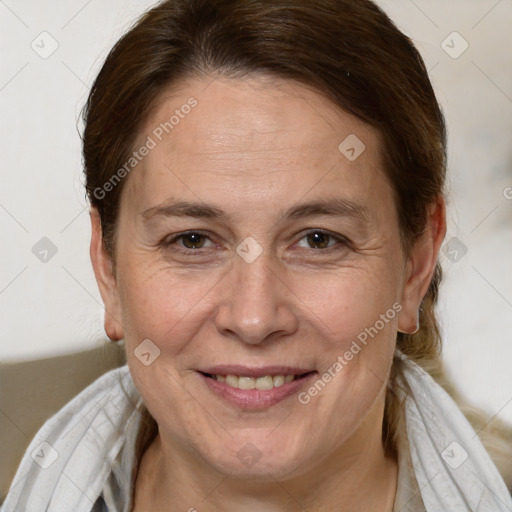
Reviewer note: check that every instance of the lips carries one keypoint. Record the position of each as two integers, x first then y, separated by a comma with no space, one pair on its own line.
255,388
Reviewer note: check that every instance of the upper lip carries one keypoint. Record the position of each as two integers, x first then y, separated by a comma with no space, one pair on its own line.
261,371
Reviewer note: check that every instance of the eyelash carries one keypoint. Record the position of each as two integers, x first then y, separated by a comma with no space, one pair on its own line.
339,239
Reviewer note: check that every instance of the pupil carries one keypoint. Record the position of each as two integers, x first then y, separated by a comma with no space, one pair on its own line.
192,241
318,240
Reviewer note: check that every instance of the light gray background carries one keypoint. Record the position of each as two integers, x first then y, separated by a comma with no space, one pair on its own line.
54,307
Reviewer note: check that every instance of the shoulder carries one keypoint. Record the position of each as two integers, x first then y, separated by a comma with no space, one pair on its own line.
69,459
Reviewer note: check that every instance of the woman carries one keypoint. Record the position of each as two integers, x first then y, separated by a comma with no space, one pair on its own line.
266,186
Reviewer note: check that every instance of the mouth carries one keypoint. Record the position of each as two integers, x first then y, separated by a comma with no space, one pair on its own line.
263,383
255,388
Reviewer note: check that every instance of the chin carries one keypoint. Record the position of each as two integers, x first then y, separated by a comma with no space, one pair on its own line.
260,457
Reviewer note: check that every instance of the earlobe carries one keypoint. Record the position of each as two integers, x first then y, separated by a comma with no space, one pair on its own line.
102,266
420,267
412,329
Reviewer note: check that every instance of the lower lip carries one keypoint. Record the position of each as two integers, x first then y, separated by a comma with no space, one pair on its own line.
255,399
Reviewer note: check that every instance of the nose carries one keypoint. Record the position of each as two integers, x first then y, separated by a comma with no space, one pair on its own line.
256,305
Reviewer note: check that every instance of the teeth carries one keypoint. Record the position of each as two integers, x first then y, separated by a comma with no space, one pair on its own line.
278,380
246,383
261,383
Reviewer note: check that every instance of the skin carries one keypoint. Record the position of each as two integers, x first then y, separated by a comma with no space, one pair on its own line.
255,148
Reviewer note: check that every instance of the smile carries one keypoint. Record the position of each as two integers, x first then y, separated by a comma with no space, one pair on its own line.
255,393
261,383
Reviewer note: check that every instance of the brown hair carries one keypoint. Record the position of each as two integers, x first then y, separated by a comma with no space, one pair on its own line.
347,50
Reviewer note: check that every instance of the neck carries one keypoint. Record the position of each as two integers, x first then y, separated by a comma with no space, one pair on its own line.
358,476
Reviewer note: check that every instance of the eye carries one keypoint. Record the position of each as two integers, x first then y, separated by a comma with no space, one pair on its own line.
318,239
192,240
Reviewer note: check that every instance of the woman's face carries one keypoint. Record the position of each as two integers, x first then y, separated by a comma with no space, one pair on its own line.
259,232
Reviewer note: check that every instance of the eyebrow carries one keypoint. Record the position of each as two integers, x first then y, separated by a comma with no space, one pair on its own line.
336,207
184,209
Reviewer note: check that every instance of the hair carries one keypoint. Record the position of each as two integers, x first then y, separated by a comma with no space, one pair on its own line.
349,51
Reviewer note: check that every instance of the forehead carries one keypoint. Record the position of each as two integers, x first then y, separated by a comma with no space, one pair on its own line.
252,136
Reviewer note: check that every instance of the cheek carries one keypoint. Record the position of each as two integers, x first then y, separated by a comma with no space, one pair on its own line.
356,318
161,304
355,331
352,300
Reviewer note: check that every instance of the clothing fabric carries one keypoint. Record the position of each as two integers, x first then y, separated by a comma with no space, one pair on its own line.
81,460
452,468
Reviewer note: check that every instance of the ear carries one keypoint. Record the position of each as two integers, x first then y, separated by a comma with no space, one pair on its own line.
420,267
103,270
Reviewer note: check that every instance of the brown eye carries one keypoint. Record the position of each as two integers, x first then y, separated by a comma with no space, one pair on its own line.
318,240
193,240
323,241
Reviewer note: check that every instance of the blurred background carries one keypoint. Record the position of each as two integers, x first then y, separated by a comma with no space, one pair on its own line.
49,301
